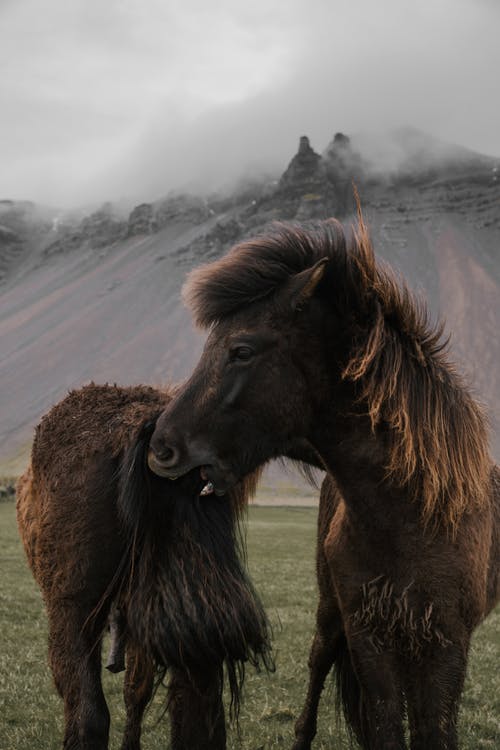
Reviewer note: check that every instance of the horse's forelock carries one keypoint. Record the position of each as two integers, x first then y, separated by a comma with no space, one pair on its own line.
255,268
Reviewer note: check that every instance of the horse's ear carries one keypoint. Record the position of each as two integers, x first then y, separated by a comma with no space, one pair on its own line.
304,284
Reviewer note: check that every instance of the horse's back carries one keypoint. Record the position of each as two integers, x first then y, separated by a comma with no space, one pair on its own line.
91,420
87,430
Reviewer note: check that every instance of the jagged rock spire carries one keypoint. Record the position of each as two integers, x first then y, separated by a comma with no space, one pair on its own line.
304,169
341,161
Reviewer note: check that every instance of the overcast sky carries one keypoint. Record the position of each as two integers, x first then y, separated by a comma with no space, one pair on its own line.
130,98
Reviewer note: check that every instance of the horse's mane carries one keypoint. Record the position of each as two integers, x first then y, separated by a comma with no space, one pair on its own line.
182,578
438,444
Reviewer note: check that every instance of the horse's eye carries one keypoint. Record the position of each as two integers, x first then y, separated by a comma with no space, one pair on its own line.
241,353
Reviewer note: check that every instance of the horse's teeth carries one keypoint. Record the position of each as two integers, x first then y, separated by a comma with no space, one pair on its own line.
207,489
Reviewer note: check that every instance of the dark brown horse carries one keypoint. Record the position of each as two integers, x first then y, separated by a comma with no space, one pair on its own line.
101,531
314,343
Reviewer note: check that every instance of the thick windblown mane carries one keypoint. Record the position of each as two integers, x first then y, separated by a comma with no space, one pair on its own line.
438,444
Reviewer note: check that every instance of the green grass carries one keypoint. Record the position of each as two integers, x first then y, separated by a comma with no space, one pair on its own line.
281,555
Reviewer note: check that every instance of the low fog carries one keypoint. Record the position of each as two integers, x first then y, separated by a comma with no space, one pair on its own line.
126,100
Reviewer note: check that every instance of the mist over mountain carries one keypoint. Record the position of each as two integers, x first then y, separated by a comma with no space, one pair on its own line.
95,294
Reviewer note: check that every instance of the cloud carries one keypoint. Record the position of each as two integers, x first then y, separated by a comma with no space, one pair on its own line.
134,98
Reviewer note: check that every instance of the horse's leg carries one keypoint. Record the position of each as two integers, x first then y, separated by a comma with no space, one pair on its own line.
196,711
137,691
328,636
75,660
323,651
433,690
381,707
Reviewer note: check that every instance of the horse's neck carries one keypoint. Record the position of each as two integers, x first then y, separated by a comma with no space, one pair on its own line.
357,457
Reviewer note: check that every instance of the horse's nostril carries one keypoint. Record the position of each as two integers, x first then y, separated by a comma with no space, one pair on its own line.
167,454
170,455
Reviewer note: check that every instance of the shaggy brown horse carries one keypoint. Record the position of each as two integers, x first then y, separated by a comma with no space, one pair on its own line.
101,531
314,342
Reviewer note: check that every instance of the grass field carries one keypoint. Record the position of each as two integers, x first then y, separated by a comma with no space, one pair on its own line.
281,554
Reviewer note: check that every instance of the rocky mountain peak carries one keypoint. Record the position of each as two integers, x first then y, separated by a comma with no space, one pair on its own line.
340,140
305,146
342,161
316,186
304,169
